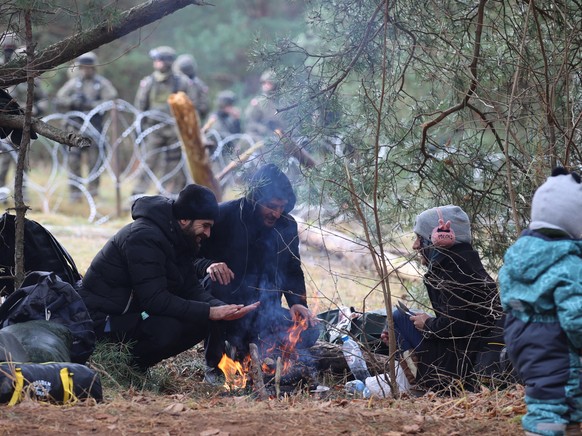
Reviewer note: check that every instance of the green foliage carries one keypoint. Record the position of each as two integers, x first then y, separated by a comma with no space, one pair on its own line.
114,363
430,111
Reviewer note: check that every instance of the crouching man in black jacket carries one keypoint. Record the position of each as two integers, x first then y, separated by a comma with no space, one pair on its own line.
142,286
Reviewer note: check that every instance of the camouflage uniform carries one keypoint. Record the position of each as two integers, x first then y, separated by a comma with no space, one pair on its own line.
226,119
186,64
153,94
84,93
261,117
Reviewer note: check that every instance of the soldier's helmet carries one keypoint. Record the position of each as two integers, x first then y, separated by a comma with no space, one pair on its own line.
88,58
9,41
225,98
186,64
268,76
163,53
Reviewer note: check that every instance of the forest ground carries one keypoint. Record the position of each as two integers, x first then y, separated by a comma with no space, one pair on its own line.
190,407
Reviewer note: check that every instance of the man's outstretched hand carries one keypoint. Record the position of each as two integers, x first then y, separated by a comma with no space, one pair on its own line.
230,312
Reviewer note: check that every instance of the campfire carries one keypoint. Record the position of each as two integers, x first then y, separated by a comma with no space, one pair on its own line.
281,368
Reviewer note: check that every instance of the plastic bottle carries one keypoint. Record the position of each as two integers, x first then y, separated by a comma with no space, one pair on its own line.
358,388
354,358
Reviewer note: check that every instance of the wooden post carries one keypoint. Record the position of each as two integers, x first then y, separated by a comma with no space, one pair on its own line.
189,130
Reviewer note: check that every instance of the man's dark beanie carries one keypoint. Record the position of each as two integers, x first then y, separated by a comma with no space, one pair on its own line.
195,202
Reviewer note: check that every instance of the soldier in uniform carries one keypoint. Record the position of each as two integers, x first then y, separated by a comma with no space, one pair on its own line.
261,117
186,64
40,104
226,119
83,92
153,94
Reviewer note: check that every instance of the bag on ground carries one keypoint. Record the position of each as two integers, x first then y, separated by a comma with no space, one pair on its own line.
11,350
42,252
44,296
366,327
61,383
43,341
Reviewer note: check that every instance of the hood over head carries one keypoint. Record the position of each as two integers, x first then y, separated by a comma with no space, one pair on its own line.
270,182
557,204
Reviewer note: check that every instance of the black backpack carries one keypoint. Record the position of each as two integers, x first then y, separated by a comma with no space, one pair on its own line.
42,252
44,296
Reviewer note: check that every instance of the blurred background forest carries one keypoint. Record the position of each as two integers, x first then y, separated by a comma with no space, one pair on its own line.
221,37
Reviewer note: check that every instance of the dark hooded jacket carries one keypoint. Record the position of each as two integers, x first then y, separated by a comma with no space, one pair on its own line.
265,261
466,304
147,267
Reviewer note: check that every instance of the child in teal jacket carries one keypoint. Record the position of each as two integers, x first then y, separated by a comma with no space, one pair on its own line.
541,292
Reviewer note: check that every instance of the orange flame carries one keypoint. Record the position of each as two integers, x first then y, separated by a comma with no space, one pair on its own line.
288,348
235,373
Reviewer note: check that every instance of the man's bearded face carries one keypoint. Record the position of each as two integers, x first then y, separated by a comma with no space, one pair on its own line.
196,231
270,211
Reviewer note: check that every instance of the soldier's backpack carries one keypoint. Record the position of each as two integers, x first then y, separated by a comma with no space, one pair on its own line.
42,252
44,296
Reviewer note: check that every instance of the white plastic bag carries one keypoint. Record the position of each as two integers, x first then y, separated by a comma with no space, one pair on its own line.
378,385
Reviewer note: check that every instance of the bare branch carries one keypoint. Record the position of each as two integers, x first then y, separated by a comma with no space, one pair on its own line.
69,138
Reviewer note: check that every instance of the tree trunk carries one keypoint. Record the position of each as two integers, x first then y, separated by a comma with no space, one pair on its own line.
189,129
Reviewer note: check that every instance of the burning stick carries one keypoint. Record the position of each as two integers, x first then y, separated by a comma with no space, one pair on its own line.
278,369
257,373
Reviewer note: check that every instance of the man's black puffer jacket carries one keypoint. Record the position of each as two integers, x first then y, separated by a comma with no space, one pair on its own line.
152,258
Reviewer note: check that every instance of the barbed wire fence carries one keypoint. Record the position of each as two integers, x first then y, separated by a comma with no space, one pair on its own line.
122,154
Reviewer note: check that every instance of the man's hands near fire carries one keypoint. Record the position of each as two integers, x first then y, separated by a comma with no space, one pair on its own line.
230,312
220,272
298,310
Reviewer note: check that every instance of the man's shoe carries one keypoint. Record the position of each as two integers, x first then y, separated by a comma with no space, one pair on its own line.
214,377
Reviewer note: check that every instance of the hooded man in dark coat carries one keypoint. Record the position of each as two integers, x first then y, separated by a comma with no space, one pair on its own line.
257,238
463,296
142,286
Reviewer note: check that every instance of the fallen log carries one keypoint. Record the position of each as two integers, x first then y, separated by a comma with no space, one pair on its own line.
330,357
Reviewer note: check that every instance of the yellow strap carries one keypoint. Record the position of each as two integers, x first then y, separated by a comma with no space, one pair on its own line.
18,387
67,381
